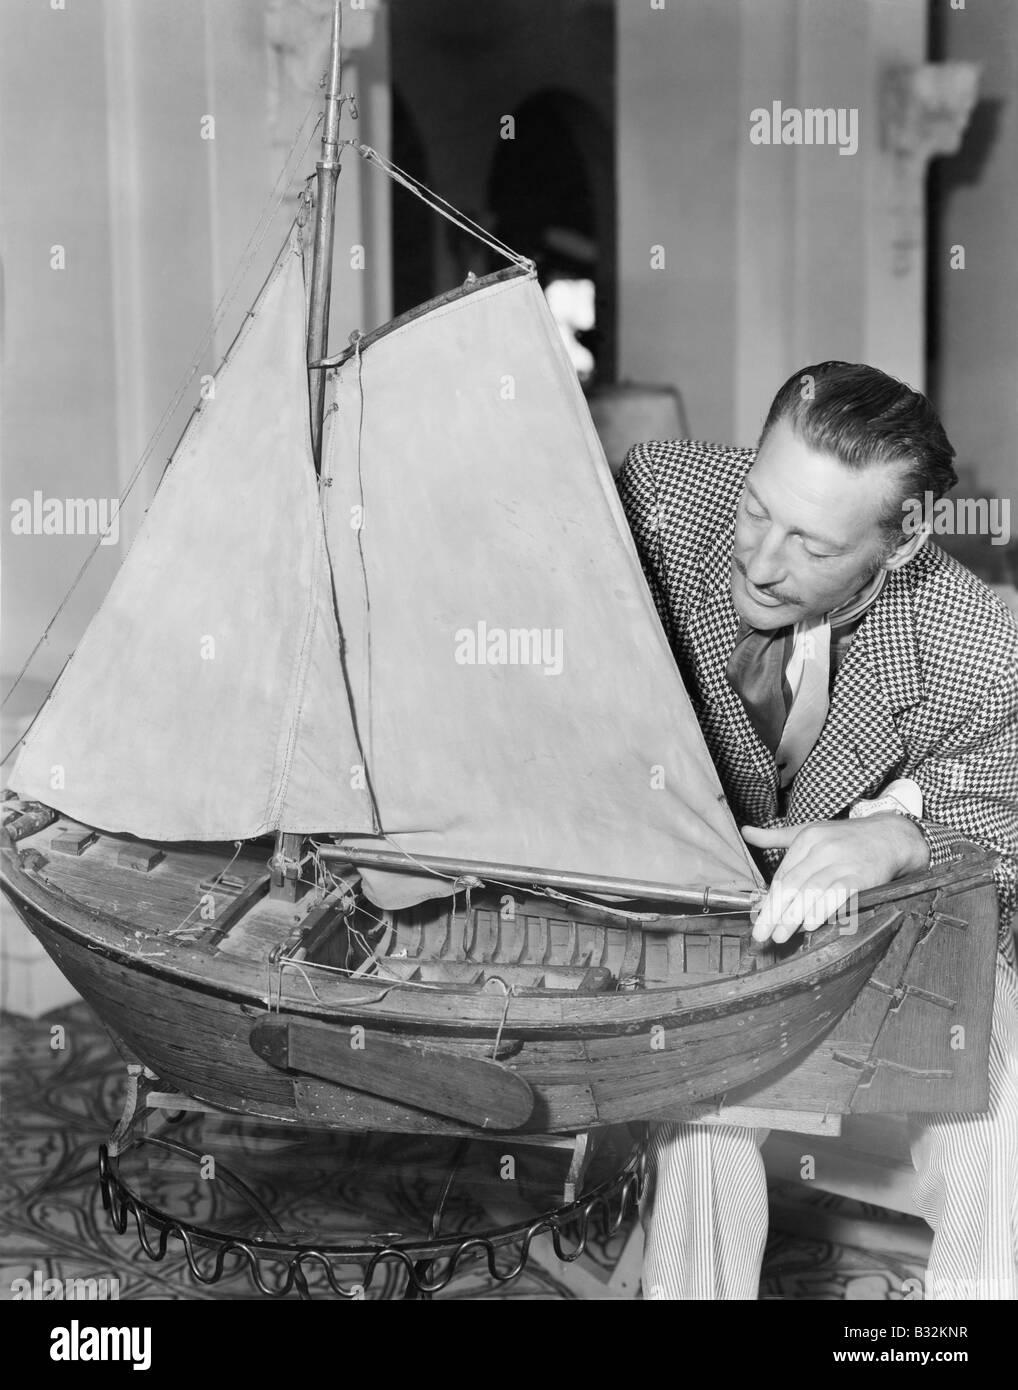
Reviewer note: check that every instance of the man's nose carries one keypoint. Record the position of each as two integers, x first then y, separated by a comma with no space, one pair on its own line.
766,565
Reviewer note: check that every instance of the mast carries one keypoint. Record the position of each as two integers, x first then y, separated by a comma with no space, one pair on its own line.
325,226
285,861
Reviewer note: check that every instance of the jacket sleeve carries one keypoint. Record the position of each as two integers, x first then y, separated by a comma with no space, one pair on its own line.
970,790
637,489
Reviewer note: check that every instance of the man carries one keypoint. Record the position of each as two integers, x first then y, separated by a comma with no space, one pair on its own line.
858,691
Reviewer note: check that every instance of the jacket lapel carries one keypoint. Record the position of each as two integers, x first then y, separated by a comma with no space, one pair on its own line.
713,626
860,744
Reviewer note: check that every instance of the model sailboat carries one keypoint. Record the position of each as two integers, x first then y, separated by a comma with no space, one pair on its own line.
388,612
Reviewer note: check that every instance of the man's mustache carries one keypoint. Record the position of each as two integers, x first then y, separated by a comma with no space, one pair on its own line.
771,593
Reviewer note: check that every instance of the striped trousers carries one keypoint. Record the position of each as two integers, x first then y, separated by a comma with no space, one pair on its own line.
705,1204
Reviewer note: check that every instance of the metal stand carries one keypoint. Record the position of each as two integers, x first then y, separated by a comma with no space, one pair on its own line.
568,1225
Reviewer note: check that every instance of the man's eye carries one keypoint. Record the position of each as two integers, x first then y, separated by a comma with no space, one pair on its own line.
756,516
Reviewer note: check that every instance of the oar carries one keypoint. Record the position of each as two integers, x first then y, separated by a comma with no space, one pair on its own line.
470,1089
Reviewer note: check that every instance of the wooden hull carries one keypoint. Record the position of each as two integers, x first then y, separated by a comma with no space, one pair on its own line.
186,1010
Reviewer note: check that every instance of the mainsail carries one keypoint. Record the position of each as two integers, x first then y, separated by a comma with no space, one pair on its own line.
516,696
447,648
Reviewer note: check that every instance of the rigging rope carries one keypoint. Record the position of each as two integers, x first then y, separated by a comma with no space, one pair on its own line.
277,196
433,199
216,878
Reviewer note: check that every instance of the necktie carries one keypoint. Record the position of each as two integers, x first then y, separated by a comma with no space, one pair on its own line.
756,672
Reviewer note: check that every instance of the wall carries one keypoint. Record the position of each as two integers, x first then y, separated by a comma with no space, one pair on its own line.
976,366
60,422
775,256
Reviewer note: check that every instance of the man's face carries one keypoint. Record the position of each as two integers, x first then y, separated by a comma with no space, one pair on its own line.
807,532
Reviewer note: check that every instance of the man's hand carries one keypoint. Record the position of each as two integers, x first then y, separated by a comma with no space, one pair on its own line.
827,862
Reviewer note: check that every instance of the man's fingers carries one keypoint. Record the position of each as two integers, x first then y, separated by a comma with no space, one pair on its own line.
815,903
782,901
819,856
778,837
802,899
843,906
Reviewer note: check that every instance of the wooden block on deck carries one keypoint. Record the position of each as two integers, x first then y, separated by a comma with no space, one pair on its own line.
227,884
71,838
140,857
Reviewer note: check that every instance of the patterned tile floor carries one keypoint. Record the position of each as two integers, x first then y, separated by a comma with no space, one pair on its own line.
57,1105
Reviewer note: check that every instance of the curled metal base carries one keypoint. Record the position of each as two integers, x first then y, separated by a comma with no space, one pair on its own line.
569,1227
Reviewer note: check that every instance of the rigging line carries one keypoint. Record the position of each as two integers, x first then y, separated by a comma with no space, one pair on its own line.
42,705
376,815
637,918
458,218
274,201
391,980
510,990
286,963
425,868
216,878
324,877
427,195
414,184
364,573
557,895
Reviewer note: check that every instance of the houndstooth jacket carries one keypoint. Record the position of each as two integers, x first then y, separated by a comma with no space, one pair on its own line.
927,690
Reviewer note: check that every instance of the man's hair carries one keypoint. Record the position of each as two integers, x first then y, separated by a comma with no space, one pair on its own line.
862,416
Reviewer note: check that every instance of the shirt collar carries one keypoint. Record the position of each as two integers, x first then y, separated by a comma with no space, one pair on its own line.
859,602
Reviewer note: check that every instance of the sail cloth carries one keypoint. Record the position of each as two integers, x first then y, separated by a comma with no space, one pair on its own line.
508,691
515,693
206,700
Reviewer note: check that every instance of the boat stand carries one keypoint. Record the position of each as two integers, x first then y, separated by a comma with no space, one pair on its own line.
288,1206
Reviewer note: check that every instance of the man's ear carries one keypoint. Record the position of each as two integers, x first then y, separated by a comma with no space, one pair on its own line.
906,548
